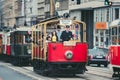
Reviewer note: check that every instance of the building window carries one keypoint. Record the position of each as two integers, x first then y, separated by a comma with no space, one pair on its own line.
102,39
78,1
29,0
107,15
116,13
101,33
30,10
96,31
96,38
47,1
107,32
101,15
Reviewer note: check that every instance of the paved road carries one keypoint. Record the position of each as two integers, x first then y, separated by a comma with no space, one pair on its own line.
93,73
9,74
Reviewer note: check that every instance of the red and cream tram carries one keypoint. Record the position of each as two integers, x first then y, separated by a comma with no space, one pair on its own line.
6,49
68,57
114,49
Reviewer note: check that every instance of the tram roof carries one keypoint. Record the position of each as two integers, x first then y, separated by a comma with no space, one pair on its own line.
48,19
24,29
115,22
55,20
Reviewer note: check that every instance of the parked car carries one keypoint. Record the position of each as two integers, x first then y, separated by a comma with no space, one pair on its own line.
98,56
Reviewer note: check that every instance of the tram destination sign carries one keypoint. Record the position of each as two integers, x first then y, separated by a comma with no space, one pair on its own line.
65,22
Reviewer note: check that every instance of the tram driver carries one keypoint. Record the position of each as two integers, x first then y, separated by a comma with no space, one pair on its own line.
66,34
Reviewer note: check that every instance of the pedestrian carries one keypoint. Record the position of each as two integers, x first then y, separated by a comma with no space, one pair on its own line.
66,34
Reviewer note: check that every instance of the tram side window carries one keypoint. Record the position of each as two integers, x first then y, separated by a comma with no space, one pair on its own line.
28,38
119,35
33,39
114,36
74,28
37,38
114,31
19,39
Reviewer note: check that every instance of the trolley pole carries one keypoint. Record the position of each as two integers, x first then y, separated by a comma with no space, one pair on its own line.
52,8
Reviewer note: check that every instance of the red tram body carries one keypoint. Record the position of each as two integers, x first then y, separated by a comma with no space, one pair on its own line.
6,48
68,57
57,52
114,49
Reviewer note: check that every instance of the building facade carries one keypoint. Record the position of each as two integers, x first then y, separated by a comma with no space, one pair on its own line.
41,9
12,13
1,13
57,10
31,12
97,16
8,13
107,15
94,13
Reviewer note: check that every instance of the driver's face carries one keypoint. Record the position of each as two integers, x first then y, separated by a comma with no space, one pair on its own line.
67,29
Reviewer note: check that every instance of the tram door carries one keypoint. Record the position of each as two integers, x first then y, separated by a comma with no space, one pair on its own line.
37,37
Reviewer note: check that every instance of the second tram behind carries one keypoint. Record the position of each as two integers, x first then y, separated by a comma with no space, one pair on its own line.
16,46
68,57
114,49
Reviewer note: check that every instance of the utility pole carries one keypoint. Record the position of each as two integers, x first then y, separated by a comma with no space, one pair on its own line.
52,7
1,20
24,11
23,3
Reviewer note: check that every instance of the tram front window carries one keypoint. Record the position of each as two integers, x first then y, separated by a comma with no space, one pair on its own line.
28,38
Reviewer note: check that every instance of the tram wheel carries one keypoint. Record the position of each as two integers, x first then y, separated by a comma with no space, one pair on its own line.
105,65
98,65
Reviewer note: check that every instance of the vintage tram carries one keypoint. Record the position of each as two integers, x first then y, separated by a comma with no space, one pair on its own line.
16,46
20,41
6,45
67,57
114,49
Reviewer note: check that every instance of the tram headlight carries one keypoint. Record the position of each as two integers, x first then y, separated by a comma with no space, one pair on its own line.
69,55
29,51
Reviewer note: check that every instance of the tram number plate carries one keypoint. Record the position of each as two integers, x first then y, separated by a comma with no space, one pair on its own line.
99,57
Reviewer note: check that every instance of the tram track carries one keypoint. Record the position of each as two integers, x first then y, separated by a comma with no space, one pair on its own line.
94,73
106,73
100,69
28,71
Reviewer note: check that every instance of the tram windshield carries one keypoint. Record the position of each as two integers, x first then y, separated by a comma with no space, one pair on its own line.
115,33
28,38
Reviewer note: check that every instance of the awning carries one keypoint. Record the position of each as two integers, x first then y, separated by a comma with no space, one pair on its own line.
115,22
